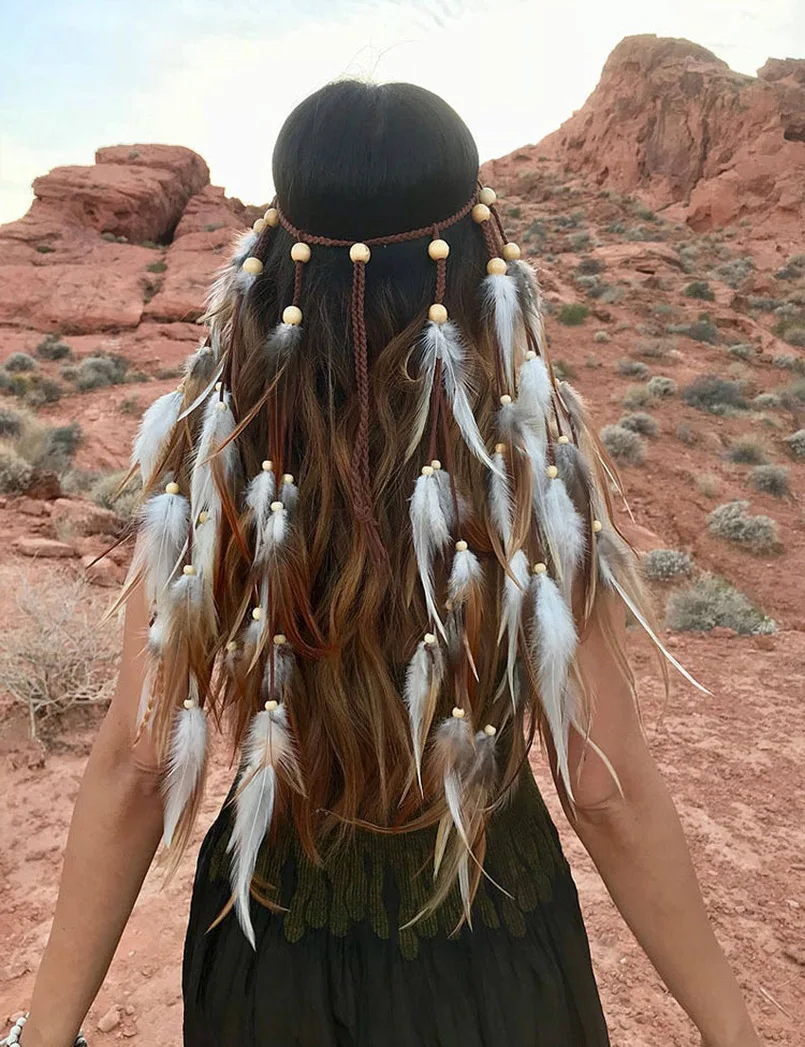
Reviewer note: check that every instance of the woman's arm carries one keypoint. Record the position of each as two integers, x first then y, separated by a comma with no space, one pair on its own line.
637,843
115,830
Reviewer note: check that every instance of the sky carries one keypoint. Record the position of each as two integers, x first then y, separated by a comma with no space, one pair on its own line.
221,75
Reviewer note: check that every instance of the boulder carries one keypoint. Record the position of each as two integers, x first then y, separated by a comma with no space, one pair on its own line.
46,548
104,572
79,517
209,211
193,262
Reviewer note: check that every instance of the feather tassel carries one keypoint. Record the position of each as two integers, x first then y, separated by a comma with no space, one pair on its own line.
155,428
423,681
515,586
430,535
465,574
565,530
501,508
186,762
500,294
205,498
268,756
165,524
534,393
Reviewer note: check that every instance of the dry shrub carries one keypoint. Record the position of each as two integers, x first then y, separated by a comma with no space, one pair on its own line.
661,386
640,422
770,479
735,523
626,447
711,601
709,485
661,565
748,450
796,443
58,655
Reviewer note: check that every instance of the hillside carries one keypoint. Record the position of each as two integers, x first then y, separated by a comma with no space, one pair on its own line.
666,219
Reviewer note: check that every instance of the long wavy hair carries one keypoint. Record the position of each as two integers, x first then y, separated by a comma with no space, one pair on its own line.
356,162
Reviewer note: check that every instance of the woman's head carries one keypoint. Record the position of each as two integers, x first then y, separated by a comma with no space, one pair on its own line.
384,524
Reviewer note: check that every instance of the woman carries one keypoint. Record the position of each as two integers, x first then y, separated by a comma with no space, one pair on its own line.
376,547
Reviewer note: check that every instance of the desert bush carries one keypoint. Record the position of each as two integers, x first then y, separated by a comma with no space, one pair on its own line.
635,396
95,372
699,331
15,471
52,348
640,234
699,289
713,394
580,241
735,271
733,522
625,446
56,656
762,302
156,267
770,479
660,565
616,227
655,348
42,390
640,422
768,401
748,450
710,602
17,363
795,336
589,267
742,351
796,443
686,434
11,421
789,362
601,336
573,313
611,295
563,370
62,443
661,386
708,484
131,405
632,368
105,491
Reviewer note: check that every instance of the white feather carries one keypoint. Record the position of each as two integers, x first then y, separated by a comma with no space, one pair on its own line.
430,535
514,591
500,293
243,247
200,363
158,632
565,530
424,673
283,663
427,370
205,546
289,495
553,644
202,396
163,538
187,589
442,478
186,759
268,751
500,501
465,573
155,428
534,394
282,341
457,740
204,497
444,342
259,495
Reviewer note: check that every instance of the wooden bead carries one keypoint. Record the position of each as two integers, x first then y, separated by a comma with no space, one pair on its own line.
458,712
500,448
551,472
461,546
253,266
267,466
505,399
292,315
257,613
429,639
490,730
438,250
511,251
427,470
203,516
437,314
435,464
481,213
172,488
221,406
260,225
563,440
277,507
496,267
219,386
272,217
487,196
300,253
231,647
530,355
287,478
188,703
359,253
271,705
188,570
540,568
598,527
279,639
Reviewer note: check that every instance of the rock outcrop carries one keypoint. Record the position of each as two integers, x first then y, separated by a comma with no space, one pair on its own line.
673,122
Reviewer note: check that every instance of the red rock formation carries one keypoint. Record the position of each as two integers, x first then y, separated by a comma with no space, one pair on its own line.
672,121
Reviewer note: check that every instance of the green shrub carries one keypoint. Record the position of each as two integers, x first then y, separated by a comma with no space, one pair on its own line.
699,331
661,386
632,368
156,267
699,289
742,351
110,238
52,348
748,450
45,249
768,401
571,314
95,372
789,362
617,228
770,479
601,336
762,302
18,363
710,602
660,565
640,422
796,443
733,522
42,390
635,396
105,491
735,271
715,395
686,434
611,295
624,446
563,370
589,267
655,348
11,421
15,471
580,241
795,336
131,405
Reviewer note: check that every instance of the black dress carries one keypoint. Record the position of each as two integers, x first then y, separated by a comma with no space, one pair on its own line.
335,970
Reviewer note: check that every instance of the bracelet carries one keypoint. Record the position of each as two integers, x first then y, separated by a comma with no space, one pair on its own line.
13,1037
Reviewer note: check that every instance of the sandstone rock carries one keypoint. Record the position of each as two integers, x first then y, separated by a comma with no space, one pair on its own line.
71,298
765,643
723,632
30,507
44,485
46,548
84,518
102,572
209,208
110,1020
645,257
